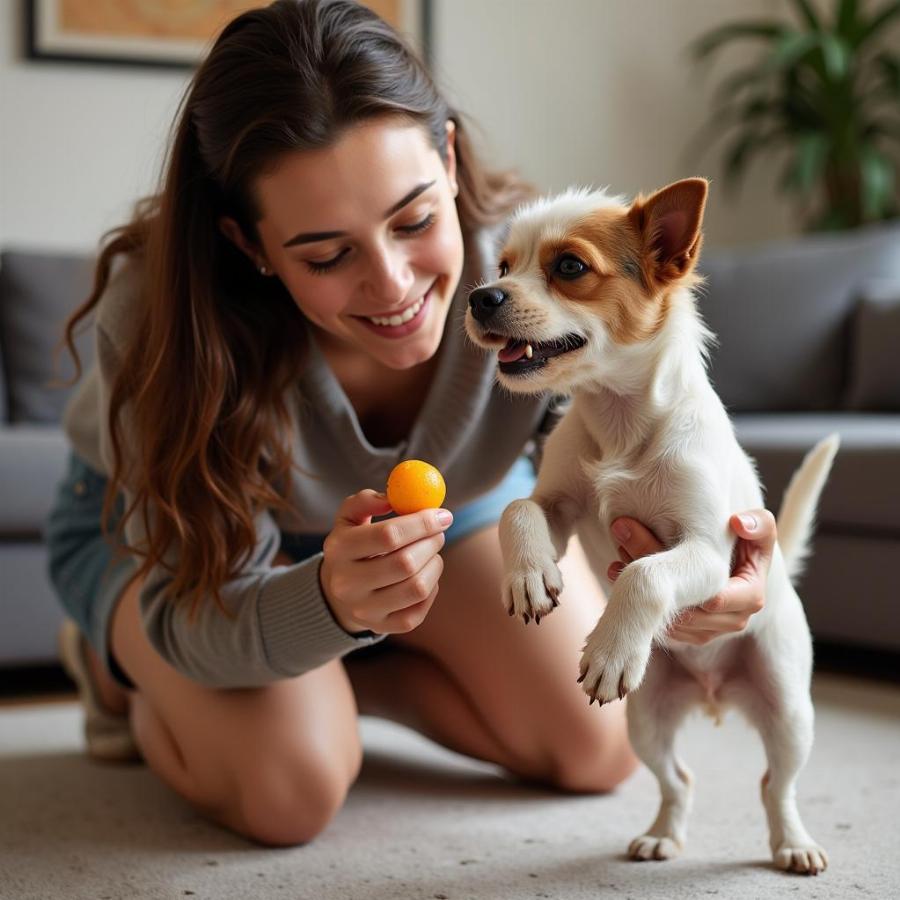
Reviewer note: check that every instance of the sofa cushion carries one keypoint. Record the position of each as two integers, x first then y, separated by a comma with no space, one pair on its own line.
781,312
875,350
32,463
38,291
863,490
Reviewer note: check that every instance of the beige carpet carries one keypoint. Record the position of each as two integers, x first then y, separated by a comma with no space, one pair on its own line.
425,824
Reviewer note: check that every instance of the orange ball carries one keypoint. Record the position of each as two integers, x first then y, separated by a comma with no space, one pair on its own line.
414,485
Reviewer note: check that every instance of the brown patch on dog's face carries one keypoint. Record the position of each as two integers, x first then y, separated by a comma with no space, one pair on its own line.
615,288
635,258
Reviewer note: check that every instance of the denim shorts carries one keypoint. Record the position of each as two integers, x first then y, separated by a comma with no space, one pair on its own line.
89,581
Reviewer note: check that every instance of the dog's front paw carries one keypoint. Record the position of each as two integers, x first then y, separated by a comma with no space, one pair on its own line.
612,665
652,846
533,593
806,859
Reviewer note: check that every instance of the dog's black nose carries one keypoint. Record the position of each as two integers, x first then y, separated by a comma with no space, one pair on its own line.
484,302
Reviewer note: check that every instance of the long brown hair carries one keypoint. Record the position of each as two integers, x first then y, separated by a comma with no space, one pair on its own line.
202,383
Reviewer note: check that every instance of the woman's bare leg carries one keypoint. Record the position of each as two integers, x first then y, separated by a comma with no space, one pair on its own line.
468,677
272,763
426,687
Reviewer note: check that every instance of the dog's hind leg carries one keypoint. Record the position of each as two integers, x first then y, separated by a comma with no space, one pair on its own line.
782,711
655,712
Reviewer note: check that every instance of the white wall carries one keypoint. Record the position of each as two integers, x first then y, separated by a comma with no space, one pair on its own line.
603,92
78,143
588,91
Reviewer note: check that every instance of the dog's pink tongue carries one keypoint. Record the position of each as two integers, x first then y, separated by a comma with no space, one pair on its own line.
512,351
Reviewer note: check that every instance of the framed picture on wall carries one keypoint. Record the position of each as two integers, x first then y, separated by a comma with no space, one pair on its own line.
172,33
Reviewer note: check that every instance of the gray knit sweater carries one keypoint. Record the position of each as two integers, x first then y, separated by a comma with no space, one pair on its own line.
282,626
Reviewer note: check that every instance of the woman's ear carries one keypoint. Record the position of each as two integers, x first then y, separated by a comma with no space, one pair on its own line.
451,156
230,228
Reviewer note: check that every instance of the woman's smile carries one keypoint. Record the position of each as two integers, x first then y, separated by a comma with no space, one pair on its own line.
404,321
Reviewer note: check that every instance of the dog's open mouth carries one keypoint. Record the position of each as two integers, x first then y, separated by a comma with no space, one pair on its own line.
520,356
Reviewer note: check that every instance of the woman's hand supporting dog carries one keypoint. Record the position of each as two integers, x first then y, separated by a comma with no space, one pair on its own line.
745,593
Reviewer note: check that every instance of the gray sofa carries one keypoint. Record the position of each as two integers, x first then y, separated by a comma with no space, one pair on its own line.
809,343
37,292
809,335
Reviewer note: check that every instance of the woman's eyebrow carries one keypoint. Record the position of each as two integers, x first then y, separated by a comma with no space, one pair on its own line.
310,237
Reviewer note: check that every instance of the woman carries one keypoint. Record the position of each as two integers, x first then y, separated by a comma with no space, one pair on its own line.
281,327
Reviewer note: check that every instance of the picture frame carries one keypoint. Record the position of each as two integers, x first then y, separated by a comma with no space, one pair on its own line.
164,34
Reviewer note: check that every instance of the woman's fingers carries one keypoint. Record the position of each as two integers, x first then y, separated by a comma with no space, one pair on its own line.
757,526
744,594
358,509
393,568
695,637
695,625
757,534
635,540
406,604
390,535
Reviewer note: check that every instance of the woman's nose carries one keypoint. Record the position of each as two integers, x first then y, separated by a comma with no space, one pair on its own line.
390,275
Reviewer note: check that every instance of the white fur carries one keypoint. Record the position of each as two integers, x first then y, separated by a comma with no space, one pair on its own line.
647,437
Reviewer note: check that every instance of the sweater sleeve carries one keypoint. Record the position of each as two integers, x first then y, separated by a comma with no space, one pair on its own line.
278,624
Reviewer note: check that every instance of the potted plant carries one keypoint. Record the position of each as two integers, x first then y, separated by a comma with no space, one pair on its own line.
827,90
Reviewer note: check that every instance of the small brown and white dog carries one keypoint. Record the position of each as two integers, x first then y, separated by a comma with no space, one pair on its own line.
595,300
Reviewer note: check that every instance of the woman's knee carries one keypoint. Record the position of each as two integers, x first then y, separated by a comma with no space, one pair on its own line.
594,769
274,788
287,801
591,755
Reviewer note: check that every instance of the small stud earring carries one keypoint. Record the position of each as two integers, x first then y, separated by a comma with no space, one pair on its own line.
263,270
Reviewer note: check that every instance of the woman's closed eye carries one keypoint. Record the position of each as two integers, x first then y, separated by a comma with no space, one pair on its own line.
422,225
416,227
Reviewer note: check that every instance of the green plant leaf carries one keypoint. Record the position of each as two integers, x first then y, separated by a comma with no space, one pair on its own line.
790,48
848,23
882,129
879,21
808,163
888,67
808,14
710,42
738,81
836,108
837,55
876,184
800,110
832,220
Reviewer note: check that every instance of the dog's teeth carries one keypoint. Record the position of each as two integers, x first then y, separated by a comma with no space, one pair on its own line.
529,352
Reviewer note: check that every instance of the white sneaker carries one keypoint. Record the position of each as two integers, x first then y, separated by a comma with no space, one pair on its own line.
107,735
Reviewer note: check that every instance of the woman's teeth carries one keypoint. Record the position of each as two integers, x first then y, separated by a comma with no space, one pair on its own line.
405,316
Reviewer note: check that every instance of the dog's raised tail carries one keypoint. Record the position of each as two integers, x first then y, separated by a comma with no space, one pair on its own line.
797,516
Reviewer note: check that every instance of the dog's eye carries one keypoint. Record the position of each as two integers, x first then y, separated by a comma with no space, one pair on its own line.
569,267
504,269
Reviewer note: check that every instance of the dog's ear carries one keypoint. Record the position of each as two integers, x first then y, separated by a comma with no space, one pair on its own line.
669,224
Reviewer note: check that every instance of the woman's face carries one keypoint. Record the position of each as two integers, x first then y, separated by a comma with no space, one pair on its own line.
366,238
